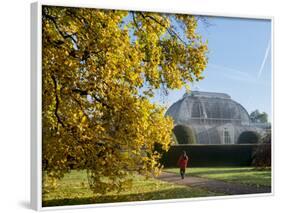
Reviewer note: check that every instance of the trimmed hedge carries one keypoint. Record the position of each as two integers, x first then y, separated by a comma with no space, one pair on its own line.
184,134
211,155
248,137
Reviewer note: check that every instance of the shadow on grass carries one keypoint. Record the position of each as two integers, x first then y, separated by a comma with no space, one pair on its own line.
175,193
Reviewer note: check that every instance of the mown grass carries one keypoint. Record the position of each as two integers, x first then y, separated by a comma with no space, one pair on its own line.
73,190
244,175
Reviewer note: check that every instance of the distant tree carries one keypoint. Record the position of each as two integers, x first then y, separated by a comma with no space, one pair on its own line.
258,117
266,139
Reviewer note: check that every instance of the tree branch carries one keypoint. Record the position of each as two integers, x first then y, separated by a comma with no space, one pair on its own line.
83,92
64,35
57,102
170,31
135,21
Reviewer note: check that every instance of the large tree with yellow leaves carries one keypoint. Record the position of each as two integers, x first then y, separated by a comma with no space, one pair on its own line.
100,70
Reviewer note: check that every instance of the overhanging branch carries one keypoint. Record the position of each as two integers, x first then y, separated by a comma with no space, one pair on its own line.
57,102
170,30
85,93
64,35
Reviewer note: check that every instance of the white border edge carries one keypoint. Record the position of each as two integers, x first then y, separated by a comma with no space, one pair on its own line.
143,7
36,139
154,202
272,107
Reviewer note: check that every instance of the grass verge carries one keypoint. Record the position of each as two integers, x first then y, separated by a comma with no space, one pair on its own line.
243,175
73,190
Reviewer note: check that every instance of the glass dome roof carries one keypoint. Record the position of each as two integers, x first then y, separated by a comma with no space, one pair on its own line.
209,108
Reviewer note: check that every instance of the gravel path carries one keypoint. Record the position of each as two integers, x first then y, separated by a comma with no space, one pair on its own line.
214,185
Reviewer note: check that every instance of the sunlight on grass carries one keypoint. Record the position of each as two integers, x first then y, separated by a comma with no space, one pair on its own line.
244,175
73,190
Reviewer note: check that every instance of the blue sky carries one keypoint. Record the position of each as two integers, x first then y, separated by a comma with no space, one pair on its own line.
239,62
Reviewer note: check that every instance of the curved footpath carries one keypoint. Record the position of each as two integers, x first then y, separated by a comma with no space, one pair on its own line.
217,186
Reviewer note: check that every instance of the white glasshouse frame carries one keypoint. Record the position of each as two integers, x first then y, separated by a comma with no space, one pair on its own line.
36,99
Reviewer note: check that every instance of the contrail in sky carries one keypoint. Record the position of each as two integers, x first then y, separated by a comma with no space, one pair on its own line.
264,60
261,69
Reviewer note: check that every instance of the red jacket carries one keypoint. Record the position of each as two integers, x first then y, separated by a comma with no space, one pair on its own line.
182,162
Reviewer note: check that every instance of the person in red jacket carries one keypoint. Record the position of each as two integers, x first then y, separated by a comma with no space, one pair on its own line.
182,163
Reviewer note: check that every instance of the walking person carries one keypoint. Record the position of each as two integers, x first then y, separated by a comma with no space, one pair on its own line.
182,163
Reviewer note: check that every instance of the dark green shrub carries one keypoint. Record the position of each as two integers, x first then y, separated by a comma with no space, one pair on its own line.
184,134
262,155
248,137
267,138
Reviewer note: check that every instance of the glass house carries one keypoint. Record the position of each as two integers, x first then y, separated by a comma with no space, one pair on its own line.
214,118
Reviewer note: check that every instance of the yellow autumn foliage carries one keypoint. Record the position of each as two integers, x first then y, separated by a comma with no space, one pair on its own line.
100,70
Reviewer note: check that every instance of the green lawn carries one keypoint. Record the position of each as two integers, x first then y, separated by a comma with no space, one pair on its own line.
73,190
244,175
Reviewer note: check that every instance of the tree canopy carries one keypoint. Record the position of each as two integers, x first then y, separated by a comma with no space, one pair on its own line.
100,68
259,117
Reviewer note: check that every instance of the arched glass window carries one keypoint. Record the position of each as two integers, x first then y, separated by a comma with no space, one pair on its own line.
226,134
196,110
